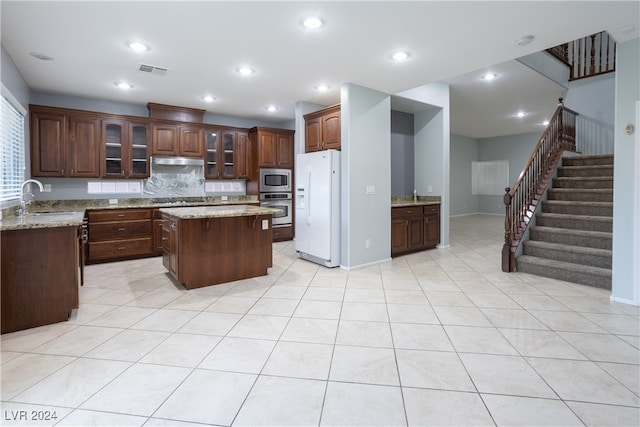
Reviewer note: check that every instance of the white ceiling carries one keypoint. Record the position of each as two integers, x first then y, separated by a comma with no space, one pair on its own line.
202,43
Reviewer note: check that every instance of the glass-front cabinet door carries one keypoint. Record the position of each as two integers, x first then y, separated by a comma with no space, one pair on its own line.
228,153
212,140
125,149
114,140
139,152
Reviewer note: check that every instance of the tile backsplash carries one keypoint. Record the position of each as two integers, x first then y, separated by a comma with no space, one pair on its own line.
176,181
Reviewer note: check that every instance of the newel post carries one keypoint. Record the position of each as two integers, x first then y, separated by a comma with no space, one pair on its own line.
508,264
561,129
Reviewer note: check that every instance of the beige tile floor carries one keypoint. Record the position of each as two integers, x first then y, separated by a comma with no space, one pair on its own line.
441,337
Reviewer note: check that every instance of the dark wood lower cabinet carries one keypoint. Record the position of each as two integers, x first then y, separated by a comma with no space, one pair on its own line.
282,233
40,272
414,228
117,234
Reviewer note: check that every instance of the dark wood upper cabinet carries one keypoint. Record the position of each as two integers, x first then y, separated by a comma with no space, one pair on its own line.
48,143
64,145
323,129
243,155
177,140
164,141
274,147
190,142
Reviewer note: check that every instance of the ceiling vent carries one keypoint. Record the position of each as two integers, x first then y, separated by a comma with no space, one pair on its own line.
152,69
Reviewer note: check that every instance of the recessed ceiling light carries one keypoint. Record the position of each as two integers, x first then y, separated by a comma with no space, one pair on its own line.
520,114
272,108
245,71
124,85
322,88
208,98
41,56
138,47
400,56
489,76
524,40
312,22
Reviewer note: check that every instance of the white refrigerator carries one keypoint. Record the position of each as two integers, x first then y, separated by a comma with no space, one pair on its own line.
317,207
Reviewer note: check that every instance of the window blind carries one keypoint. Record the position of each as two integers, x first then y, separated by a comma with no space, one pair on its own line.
489,178
12,150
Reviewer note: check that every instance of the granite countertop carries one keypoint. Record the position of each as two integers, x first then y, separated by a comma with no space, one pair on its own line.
43,220
218,211
70,213
94,204
407,201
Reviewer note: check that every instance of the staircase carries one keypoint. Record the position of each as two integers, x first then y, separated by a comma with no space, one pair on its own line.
572,237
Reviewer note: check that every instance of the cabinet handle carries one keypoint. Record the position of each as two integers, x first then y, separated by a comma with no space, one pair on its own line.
165,238
120,215
121,248
173,226
121,229
426,220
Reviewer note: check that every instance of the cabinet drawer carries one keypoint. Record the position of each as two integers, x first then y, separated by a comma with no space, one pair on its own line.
119,248
119,230
119,215
406,212
432,209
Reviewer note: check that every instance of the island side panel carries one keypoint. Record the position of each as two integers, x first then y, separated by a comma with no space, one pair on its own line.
223,249
39,276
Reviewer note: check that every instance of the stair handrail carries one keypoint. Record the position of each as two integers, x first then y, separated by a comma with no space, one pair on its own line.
521,199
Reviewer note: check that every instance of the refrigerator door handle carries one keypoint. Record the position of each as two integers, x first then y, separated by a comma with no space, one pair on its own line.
307,186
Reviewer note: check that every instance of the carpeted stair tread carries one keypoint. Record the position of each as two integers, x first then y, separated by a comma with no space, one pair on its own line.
568,253
599,159
581,194
572,207
575,222
574,232
583,182
576,273
587,238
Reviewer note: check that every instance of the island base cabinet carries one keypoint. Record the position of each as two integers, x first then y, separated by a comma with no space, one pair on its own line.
219,250
39,280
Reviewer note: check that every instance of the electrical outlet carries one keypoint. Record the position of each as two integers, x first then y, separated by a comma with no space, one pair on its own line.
113,201
367,243
371,189
224,198
429,189
47,188
265,224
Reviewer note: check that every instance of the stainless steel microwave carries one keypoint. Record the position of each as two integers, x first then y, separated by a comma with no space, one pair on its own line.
275,180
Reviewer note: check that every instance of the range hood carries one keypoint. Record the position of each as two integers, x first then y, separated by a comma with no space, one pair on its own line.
177,161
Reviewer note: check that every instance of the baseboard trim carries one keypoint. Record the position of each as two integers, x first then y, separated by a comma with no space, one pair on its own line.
476,213
369,264
624,301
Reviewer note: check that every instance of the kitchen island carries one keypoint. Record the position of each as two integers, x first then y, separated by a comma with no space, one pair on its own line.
205,246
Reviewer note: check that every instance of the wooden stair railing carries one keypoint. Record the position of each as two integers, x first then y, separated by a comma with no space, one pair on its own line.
521,200
589,56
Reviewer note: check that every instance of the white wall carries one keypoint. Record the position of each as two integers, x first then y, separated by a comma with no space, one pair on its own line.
625,257
366,145
432,147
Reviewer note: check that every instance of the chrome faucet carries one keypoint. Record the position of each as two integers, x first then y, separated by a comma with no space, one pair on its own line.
22,210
